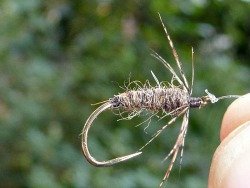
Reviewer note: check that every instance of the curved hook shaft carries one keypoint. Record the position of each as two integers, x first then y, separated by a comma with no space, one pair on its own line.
85,149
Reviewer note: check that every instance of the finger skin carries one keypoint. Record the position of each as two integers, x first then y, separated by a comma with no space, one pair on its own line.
237,113
231,162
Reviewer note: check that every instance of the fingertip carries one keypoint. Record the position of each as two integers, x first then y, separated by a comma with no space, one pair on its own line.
231,165
237,113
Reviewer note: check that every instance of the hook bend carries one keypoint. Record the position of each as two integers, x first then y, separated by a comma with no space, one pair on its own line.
85,149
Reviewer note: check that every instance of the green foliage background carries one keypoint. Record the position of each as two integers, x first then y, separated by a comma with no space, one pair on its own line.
59,57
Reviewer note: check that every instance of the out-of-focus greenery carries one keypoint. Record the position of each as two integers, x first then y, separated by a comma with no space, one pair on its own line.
59,57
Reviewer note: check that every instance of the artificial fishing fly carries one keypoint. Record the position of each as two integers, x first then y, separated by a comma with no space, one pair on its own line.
172,100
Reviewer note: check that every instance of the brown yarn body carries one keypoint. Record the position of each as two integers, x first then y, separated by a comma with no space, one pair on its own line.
153,99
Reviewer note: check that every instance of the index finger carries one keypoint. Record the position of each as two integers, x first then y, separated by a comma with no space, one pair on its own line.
237,114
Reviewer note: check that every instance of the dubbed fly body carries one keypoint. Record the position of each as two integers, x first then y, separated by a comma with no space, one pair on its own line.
173,100
152,99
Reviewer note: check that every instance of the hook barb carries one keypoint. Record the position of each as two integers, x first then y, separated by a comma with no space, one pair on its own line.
85,149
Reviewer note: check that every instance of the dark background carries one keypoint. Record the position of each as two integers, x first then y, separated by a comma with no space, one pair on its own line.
59,57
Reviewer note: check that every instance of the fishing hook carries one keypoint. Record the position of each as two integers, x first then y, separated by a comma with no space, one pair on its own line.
85,149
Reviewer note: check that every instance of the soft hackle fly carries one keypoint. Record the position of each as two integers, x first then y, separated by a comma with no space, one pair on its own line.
172,100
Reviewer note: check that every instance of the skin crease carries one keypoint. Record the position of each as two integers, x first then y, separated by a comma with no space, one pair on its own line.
230,166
